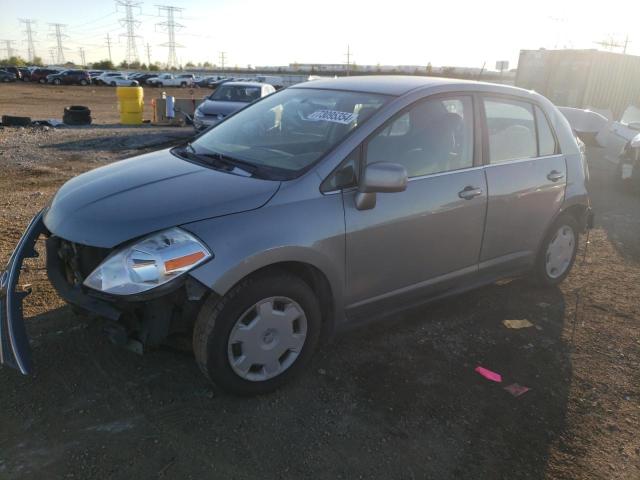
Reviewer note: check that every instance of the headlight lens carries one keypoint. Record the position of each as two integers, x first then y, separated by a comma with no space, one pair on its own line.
153,261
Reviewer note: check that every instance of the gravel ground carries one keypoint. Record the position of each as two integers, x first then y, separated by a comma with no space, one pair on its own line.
397,399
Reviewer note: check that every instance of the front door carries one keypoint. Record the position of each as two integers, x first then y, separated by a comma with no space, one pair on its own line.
422,241
526,176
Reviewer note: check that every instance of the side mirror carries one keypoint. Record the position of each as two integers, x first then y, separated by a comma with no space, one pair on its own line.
380,177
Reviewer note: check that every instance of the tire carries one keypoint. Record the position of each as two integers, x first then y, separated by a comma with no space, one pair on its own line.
133,84
83,83
159,84
183,85
42,80
6,80
564,230
219,319
113,84
57,81
77,115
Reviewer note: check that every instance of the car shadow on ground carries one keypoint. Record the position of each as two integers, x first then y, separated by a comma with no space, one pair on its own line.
394,399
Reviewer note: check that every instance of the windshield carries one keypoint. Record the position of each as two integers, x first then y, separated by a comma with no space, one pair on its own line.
291,129
236,93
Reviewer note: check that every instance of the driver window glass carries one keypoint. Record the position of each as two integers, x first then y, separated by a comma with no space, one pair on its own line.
433,136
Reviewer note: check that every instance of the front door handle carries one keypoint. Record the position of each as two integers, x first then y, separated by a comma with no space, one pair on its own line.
555,175
470,192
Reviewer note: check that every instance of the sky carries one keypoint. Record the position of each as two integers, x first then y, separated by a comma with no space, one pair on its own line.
279,32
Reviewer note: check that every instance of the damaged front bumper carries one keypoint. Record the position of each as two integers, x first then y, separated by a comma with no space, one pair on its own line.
14,344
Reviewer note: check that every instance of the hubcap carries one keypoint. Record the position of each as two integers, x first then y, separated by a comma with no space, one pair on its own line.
560,252
267,339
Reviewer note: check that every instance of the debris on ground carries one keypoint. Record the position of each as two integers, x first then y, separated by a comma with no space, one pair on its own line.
489,375
517,324
516,390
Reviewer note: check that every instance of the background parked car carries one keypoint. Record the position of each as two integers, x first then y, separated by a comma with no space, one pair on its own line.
25,74
228,98
70,77
169,80
16,72
121,81
95,73
6,77
104,77
142,78
40,74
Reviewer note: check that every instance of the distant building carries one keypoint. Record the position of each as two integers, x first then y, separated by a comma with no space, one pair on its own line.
582,78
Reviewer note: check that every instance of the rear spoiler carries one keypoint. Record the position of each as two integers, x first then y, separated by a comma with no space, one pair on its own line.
586,124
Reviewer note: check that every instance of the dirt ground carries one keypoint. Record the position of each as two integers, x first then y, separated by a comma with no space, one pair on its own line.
393,400
42,102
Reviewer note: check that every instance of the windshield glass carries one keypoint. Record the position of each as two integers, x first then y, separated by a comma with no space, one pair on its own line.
236,93
291,129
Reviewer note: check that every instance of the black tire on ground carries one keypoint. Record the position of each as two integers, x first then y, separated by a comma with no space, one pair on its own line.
83,82
57,81
183,85
77,115
113,84
218,316
159,84
541,274
13,121
42,80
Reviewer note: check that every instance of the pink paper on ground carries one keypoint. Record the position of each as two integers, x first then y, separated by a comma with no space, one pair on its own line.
489,375
516,390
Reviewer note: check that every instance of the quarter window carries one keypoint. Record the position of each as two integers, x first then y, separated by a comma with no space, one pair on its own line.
433,136
546,140
511,130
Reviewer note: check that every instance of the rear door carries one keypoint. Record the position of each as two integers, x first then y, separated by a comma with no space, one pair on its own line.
526,177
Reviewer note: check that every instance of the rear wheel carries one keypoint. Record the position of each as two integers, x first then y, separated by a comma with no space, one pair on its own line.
558,251
258,336
183,85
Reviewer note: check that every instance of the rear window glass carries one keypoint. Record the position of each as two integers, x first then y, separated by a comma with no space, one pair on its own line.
511,130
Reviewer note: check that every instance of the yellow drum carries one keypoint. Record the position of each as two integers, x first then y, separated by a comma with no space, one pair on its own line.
130,104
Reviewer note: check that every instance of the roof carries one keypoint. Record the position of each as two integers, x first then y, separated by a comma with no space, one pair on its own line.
385,84
245,84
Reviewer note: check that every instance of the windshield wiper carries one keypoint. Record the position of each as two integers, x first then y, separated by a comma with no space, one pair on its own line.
221,161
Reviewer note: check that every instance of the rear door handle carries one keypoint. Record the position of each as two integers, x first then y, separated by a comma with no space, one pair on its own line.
555,175
470,192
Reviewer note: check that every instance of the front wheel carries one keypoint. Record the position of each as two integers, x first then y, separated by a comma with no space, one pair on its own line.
558,252
258,336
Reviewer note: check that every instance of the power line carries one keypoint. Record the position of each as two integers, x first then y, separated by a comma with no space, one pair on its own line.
170,26
131,24
8,46
31,51
58,27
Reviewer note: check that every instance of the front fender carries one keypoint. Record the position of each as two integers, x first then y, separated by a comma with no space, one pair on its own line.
309,232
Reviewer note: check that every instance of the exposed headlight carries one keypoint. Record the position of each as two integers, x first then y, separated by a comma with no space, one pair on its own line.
153,261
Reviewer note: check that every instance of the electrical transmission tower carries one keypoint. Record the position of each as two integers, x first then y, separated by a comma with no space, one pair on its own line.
222,59
8,46
28,31
148,55
170,26
348,55
109,47
58,27
52,55
130,23
82,59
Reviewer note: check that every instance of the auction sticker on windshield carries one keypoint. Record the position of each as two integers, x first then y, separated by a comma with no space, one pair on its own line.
333,116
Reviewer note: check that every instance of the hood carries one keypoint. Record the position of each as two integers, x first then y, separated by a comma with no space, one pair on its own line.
216,107
134,197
